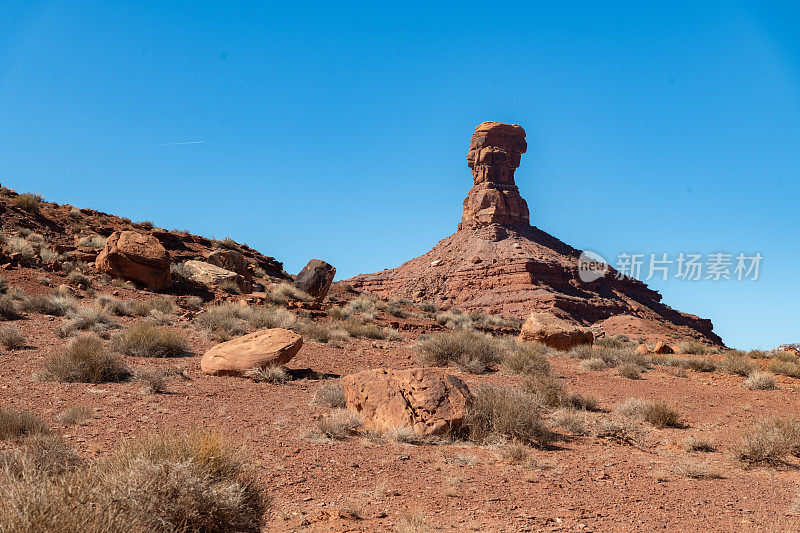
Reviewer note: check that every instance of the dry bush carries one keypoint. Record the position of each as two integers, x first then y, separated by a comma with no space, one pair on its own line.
761,381
230,286
338,313
76,277
29,202
193,303
339,424
615,341
611,356
528,358
270,374
16,424
784,368
769,441
18,245
698,471
468,350
757,354
74,415
260,317
161,304
782,355
505,413
329,395
695,348
454,319
87,319
147,340
657,413
569,419
735,364
515,452
8,308
413,522
93,241
319,331
115,306
153,381
281,293
549,392
593,364
698,444
360,330
227,321
85,360
630,371
364,303
698,364
54,305
622,430
426,307
11,338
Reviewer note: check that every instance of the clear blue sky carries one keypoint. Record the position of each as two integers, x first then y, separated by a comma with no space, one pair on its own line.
339,131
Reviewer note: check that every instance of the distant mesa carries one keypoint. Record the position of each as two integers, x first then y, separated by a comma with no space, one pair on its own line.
498,263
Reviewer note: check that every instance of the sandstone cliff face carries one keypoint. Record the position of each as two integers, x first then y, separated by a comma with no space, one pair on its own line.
498,263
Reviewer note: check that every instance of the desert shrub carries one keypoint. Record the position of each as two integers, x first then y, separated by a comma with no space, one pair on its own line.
228,243
47,255
769,441
145,224
29,202
76,277
362,304
180,272
570,420
92,241
18,245
115,306
426,307
270,374
85,360
329,395
74,415
505,413
153,381
469,351
338,424
758,354
697,471
622,430
697,444
15,424
695,348
657,413
455,319
593,364
193,303
230,286
11,338
271,317
360,330
282,292
225,321
54,305
784,368
549,392
3,285
8,308
338,313
611,356
616,341
699,364
147,340
320,331
630,371
87,319
734,364
529,358
782,355
161,304
760,381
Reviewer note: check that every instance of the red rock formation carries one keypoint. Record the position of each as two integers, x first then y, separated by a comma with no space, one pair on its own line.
498,263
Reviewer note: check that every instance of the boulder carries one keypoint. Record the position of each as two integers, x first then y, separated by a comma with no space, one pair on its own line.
553,331
135,256
316,278
642,349
425,400
235,262
208,274
263,348
662,349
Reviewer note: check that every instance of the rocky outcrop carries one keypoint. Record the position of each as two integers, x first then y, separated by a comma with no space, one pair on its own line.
135,256
662,348
498,263
235,262
425,400
554,332
263,348
495,151
210,275
316,278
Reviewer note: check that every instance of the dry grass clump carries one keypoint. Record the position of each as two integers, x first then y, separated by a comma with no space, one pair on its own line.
338,424
8,308
615,341
54,305
227,321
698,364
611,356
784,368
361,330
329,395
320,331
92,241
593,364
19,245
15,424
549,393
569,419
29,202
147,340
11,338
468,350
528,358
454,319
630,371
695,348
76,277
281,293
505,413
74,415
769,441
698,471
482,319
782,355
735,364
163,483
115,306
153,381
230,286
85,360
364,303
269,374
657,413
761,381
162,304
698,444
426,307
622,430
87,319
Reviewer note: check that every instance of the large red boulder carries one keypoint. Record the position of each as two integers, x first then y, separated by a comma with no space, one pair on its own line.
553,331
425,400
263,348
135,256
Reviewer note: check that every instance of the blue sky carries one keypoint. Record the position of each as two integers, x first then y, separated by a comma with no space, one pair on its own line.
340,131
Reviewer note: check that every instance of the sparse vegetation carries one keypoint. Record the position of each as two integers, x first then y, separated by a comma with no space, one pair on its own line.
593,364
270,374
16,424
92,241
695,348
630,371
153,381
281,293
8,308
528,358
622,430
29,202
11,338
784,368
230,286
735,364
549,393
469,351
85,360
55,305
698,471
87,319
769,441
657,413
147,340
161,304
74,415
761,381
698,444
329,395
338,424
76,277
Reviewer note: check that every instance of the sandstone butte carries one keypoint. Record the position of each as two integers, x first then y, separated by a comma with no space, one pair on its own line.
498,263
